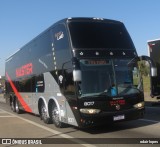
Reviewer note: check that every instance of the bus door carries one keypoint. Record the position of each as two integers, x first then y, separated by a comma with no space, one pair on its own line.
68,88
38,88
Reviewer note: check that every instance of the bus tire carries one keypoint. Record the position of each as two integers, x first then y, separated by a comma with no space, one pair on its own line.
55,117
12,104
43,114
17,110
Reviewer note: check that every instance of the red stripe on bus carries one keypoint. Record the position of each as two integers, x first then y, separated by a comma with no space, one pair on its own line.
23,103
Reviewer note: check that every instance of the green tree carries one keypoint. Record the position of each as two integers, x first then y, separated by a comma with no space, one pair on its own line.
144,68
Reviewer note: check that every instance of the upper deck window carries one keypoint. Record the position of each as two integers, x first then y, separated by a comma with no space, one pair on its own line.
99,35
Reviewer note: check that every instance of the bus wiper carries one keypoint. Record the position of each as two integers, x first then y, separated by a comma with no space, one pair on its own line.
94,95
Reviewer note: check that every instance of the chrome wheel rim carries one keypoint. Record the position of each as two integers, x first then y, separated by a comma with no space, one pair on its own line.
16,106
12,105
55,115
44,112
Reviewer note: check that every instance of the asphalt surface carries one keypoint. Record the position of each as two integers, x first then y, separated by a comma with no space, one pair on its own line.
2,99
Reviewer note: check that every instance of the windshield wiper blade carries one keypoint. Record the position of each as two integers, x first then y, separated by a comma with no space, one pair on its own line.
95,95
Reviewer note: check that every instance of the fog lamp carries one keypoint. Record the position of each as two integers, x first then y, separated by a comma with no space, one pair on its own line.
139,105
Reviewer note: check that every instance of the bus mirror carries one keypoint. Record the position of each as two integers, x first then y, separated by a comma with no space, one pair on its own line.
77,75
153,72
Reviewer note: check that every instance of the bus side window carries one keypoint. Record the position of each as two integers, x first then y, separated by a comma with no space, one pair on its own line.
69,88
26,84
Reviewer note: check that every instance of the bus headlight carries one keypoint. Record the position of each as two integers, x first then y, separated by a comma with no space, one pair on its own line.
139,105
90,111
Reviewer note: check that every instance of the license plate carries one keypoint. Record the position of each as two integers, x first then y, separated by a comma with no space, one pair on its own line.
119,117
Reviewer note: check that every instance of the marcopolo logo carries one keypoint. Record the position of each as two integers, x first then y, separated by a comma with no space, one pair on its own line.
59,35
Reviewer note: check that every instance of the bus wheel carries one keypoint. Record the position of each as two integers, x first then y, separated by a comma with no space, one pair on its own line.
43,114
17,110
13,105
55,117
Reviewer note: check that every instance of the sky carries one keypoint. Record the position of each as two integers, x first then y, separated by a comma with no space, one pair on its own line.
22,20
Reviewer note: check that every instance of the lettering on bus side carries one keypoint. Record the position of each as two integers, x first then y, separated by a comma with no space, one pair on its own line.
26,69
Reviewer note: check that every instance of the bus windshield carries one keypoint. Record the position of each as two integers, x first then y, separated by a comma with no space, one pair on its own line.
99,35
113,77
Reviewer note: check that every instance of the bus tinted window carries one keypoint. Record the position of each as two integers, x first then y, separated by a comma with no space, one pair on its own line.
99,35
26,85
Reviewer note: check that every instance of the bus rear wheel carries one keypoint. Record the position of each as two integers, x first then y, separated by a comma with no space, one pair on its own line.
44,115
17,109
12,104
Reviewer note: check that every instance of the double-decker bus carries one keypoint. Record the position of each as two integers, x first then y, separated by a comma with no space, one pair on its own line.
80,71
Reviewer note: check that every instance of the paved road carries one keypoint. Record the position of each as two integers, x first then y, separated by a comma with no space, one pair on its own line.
29,126
2,99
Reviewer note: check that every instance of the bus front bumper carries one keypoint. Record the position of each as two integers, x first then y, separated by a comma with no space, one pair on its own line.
111,117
